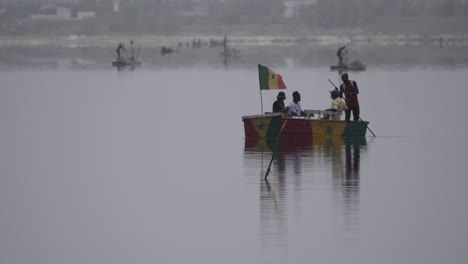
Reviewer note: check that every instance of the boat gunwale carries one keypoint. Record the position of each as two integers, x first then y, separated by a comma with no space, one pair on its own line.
299,118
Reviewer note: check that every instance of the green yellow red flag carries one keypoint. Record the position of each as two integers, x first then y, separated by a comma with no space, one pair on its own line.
269,79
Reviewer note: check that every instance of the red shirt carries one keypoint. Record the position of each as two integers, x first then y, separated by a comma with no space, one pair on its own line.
350,91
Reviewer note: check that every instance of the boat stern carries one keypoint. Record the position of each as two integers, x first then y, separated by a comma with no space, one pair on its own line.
262,126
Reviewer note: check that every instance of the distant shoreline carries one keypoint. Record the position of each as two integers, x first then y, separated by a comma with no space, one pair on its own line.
363,39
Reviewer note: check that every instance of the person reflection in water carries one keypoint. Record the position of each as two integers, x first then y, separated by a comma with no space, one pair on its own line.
350,188
353,156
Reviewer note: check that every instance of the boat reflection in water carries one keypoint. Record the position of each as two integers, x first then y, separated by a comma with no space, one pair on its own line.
304,175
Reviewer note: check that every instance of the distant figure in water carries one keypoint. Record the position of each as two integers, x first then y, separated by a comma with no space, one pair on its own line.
120,47
340,55
225,42
132,51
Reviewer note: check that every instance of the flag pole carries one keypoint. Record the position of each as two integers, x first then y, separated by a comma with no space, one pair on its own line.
261,102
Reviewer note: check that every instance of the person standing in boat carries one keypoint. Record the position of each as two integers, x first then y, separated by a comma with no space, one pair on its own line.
132,58
278,105
350,90
340,55
295,108
337,106
120,47
225,42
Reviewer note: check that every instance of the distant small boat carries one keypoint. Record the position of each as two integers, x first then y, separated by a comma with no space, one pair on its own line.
126,63
270,125
168,50
353,66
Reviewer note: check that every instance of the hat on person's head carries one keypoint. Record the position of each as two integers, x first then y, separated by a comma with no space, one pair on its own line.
335,93
281,95
296,93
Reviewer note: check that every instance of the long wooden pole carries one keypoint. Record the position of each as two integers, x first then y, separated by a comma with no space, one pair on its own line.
368,128
359,117
274,149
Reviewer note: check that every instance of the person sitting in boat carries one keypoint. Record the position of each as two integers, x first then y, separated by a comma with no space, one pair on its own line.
337,105
295,108
278,105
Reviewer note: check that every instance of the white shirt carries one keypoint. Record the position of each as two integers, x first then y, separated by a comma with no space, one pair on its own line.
295,109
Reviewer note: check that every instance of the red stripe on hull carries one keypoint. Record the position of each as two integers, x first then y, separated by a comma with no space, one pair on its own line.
297,128
250,130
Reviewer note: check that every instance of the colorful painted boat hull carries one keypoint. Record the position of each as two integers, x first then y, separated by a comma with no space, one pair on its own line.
300,144
269,126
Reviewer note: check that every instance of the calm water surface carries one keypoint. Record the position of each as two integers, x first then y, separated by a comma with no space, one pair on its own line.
151,166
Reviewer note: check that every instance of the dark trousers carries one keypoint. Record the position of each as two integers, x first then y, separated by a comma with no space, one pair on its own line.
355,111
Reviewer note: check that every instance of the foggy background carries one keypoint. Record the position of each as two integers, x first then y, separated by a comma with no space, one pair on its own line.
232,17
79,33
151,166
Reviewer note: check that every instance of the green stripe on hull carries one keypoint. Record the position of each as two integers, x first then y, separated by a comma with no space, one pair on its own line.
274,128
355,129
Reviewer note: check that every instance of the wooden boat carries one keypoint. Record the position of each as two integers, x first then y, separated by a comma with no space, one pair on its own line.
168,50
126,63
312,125
299,144
354,66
